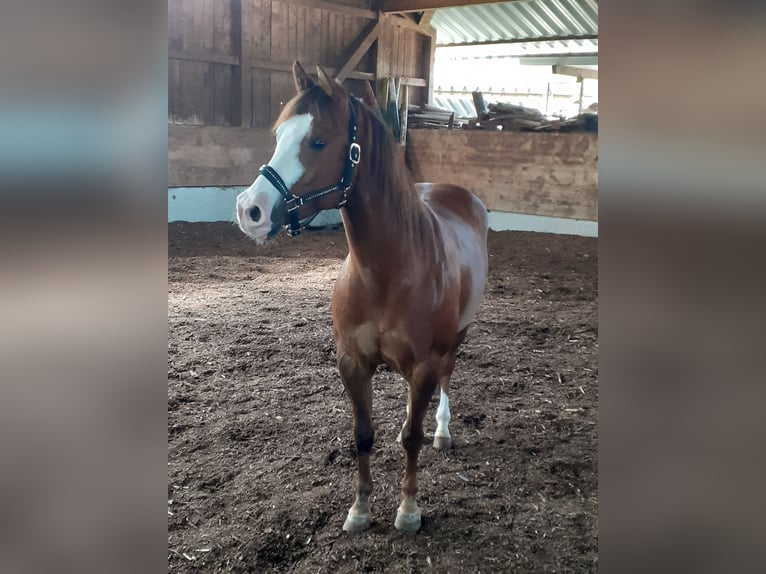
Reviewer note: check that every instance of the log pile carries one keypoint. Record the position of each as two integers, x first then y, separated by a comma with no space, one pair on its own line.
430,117
499,116
585,122
512,117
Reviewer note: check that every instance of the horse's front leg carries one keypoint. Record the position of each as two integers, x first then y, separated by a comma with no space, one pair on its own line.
357,379
422,384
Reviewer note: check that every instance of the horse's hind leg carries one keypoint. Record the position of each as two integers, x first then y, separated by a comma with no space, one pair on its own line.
358,383
442,436
422,385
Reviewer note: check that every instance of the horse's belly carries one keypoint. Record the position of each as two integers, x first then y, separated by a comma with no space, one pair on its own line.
397,352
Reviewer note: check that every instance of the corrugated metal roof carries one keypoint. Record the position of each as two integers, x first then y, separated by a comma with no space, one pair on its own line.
522,20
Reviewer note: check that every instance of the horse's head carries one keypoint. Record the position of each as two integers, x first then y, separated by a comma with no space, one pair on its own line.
313,164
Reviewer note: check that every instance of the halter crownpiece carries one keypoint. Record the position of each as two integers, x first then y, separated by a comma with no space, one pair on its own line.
293,202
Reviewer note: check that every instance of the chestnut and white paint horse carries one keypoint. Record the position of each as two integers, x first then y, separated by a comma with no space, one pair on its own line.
414,275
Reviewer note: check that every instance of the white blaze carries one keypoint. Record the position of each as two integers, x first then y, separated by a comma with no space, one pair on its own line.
286,162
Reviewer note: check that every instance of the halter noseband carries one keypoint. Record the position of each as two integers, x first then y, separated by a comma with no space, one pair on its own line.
293,202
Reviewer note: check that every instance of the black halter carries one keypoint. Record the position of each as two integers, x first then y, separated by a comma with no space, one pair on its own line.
293,202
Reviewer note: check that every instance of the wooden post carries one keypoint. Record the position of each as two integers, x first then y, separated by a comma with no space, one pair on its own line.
236,71
405,113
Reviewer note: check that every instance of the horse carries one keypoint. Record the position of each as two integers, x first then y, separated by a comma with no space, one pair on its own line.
415,272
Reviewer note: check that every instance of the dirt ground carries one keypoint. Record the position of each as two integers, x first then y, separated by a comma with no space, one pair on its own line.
260,450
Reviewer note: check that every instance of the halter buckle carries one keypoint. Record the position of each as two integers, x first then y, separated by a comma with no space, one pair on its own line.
297,201
354,153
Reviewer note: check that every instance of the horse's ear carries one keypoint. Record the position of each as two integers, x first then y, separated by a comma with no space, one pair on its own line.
302,80
328,85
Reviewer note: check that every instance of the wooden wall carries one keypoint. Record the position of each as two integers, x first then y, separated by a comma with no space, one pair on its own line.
216,156
230,61
553,174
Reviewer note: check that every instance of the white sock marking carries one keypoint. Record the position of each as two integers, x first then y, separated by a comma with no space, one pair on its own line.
443,416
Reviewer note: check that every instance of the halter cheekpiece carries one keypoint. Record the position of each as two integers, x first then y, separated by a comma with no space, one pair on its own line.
293,202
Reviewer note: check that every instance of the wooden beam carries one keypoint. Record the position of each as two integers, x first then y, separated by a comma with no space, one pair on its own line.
576,72
425,17
364,42
419,82
407,22
263,64
208,57
431,53
524,40
422,5
333,7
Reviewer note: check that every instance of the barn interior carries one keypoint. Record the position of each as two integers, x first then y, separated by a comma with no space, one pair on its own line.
500,97
527,145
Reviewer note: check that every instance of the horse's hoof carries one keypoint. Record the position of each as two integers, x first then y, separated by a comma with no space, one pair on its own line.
442,442
356,523
407,522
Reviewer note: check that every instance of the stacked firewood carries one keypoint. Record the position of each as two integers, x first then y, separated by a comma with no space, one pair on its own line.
585,122
498,116
431,117
510,117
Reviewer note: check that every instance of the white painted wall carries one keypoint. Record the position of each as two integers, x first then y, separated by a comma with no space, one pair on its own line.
218,204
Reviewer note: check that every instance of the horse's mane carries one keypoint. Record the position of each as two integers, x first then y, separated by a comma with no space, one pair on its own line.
381,159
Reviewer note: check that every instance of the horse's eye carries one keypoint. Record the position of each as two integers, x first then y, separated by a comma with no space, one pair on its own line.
316,143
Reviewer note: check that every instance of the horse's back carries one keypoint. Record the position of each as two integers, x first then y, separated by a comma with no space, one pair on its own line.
462,217
449,201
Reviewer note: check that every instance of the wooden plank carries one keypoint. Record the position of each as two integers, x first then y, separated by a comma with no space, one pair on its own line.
174,34
363,44
256,43
207,57
402,56
337,8
216,156
536,173
173,89
302,37
282,91
222,95
261,98
259,64
419,82
421,5
193,93
292,33
258,21
205,25
383,60
576,72
279,31
208,94
324,52
314,31
235,31
429,55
